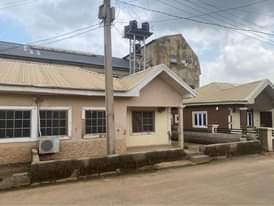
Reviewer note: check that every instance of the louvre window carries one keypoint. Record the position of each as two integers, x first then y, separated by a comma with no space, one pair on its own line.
54,122
15,124
199,119
95,122
249,119
143,121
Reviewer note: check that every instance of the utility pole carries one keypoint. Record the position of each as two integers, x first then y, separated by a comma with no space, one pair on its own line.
107,15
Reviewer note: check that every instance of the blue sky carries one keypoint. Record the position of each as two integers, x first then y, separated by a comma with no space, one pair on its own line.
225,55
13,31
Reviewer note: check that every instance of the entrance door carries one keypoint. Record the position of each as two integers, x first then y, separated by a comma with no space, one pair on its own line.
266,119
174,124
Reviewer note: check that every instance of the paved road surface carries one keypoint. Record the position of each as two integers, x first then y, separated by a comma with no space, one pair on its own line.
244,181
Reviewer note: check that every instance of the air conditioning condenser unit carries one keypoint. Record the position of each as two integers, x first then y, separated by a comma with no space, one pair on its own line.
49,145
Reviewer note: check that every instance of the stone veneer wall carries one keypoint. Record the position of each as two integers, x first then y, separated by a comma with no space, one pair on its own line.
19,153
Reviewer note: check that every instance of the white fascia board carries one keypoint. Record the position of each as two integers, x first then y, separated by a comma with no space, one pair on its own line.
180,81
214,103
163,68
26,89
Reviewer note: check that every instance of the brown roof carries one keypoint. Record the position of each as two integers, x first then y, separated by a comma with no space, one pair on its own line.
227,93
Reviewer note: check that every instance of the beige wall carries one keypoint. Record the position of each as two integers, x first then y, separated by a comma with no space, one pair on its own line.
273,118
158,137
236,120
257,119
156,94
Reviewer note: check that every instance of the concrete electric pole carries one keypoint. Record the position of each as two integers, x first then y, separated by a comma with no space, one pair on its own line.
107,15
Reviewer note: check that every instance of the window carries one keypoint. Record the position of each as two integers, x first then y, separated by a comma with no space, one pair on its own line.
15,123
143,121
199,119
95,121
173,60
54,122
249,119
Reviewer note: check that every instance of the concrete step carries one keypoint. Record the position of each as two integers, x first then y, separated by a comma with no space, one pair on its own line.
191,153
14,181
173,164
200,159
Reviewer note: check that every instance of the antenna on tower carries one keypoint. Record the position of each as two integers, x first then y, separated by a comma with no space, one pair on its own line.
137,37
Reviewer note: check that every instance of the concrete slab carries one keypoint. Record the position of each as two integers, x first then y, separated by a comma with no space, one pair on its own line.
200,159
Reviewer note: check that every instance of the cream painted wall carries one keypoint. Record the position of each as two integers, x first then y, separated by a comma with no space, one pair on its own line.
159,137
157,94
273,118
236,120
257,119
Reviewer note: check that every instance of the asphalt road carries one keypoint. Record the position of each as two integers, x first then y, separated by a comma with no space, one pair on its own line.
242,181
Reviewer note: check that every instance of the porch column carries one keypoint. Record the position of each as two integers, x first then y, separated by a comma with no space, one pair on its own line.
181,127
272,118
243,120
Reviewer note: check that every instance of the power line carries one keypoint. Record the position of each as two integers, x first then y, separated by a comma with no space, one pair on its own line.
195,20
17,3
230,13
256,36
55,38
72,36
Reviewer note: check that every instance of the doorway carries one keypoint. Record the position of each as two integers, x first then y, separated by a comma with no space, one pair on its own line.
174,124
266,119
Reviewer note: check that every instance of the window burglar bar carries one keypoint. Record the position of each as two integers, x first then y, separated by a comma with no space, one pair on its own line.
54,122
95,122
143,121
15,124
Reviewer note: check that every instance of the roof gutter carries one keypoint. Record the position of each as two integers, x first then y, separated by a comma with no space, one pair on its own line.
61,91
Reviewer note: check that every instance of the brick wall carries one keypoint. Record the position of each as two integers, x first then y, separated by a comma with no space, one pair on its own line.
15,153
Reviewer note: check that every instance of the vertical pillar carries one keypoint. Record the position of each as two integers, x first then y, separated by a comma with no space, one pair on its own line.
144,53
134,53
243,120
272,118
181,127
107,14
265,135
130,56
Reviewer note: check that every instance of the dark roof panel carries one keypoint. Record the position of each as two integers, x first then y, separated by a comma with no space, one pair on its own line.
33,53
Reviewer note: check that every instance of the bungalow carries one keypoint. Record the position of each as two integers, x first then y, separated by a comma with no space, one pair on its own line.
230,108
39,100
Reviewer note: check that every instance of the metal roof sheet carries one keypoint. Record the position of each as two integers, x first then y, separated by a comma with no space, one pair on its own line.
50,55
27,74
216,93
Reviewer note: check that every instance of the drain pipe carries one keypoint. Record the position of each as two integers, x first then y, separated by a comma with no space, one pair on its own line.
37,101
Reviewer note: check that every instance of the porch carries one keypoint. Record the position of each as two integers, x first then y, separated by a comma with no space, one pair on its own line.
154,128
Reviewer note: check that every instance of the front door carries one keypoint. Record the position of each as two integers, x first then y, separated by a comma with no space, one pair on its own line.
174,124
266,119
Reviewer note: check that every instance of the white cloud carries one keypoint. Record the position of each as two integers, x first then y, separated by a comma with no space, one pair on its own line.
238,63
224,55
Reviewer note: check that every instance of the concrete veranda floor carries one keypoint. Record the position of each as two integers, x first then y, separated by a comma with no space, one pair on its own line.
241,181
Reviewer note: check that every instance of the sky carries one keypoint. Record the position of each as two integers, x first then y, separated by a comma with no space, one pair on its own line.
225,55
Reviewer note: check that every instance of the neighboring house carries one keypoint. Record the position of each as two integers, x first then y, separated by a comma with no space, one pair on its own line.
41,99
64,57
175,52
231,108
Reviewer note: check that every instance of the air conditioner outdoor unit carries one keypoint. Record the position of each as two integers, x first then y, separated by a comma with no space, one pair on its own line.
49,145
